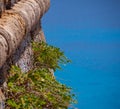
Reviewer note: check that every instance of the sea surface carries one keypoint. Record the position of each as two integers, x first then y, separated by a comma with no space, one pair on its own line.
94,73
88,31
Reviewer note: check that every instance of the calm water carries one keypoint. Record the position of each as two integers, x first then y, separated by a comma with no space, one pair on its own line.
89,33
94,73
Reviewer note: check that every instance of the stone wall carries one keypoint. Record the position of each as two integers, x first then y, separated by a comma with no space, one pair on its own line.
19,26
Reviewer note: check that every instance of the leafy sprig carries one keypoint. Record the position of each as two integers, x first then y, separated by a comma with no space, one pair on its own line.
38,88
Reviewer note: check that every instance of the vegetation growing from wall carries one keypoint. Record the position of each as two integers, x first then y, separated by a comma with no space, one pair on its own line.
38,88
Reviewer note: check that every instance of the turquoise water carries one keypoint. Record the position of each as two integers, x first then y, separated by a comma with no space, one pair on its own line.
94,73
89,33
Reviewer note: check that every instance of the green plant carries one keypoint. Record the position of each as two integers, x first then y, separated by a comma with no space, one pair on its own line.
38,88
46,56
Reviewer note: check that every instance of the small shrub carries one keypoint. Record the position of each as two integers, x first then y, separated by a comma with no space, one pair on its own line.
48,56
38,88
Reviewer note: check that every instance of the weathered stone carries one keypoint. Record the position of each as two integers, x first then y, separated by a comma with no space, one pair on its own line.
19,26
17,22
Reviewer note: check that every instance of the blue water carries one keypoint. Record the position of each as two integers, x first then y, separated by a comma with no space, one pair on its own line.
94,73
89,33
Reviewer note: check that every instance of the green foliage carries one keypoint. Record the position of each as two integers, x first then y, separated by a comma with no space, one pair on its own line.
48,56
38,88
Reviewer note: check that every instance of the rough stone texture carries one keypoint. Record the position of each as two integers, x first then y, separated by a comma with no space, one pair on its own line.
6,4
2,98
19,25
24,55
19,21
